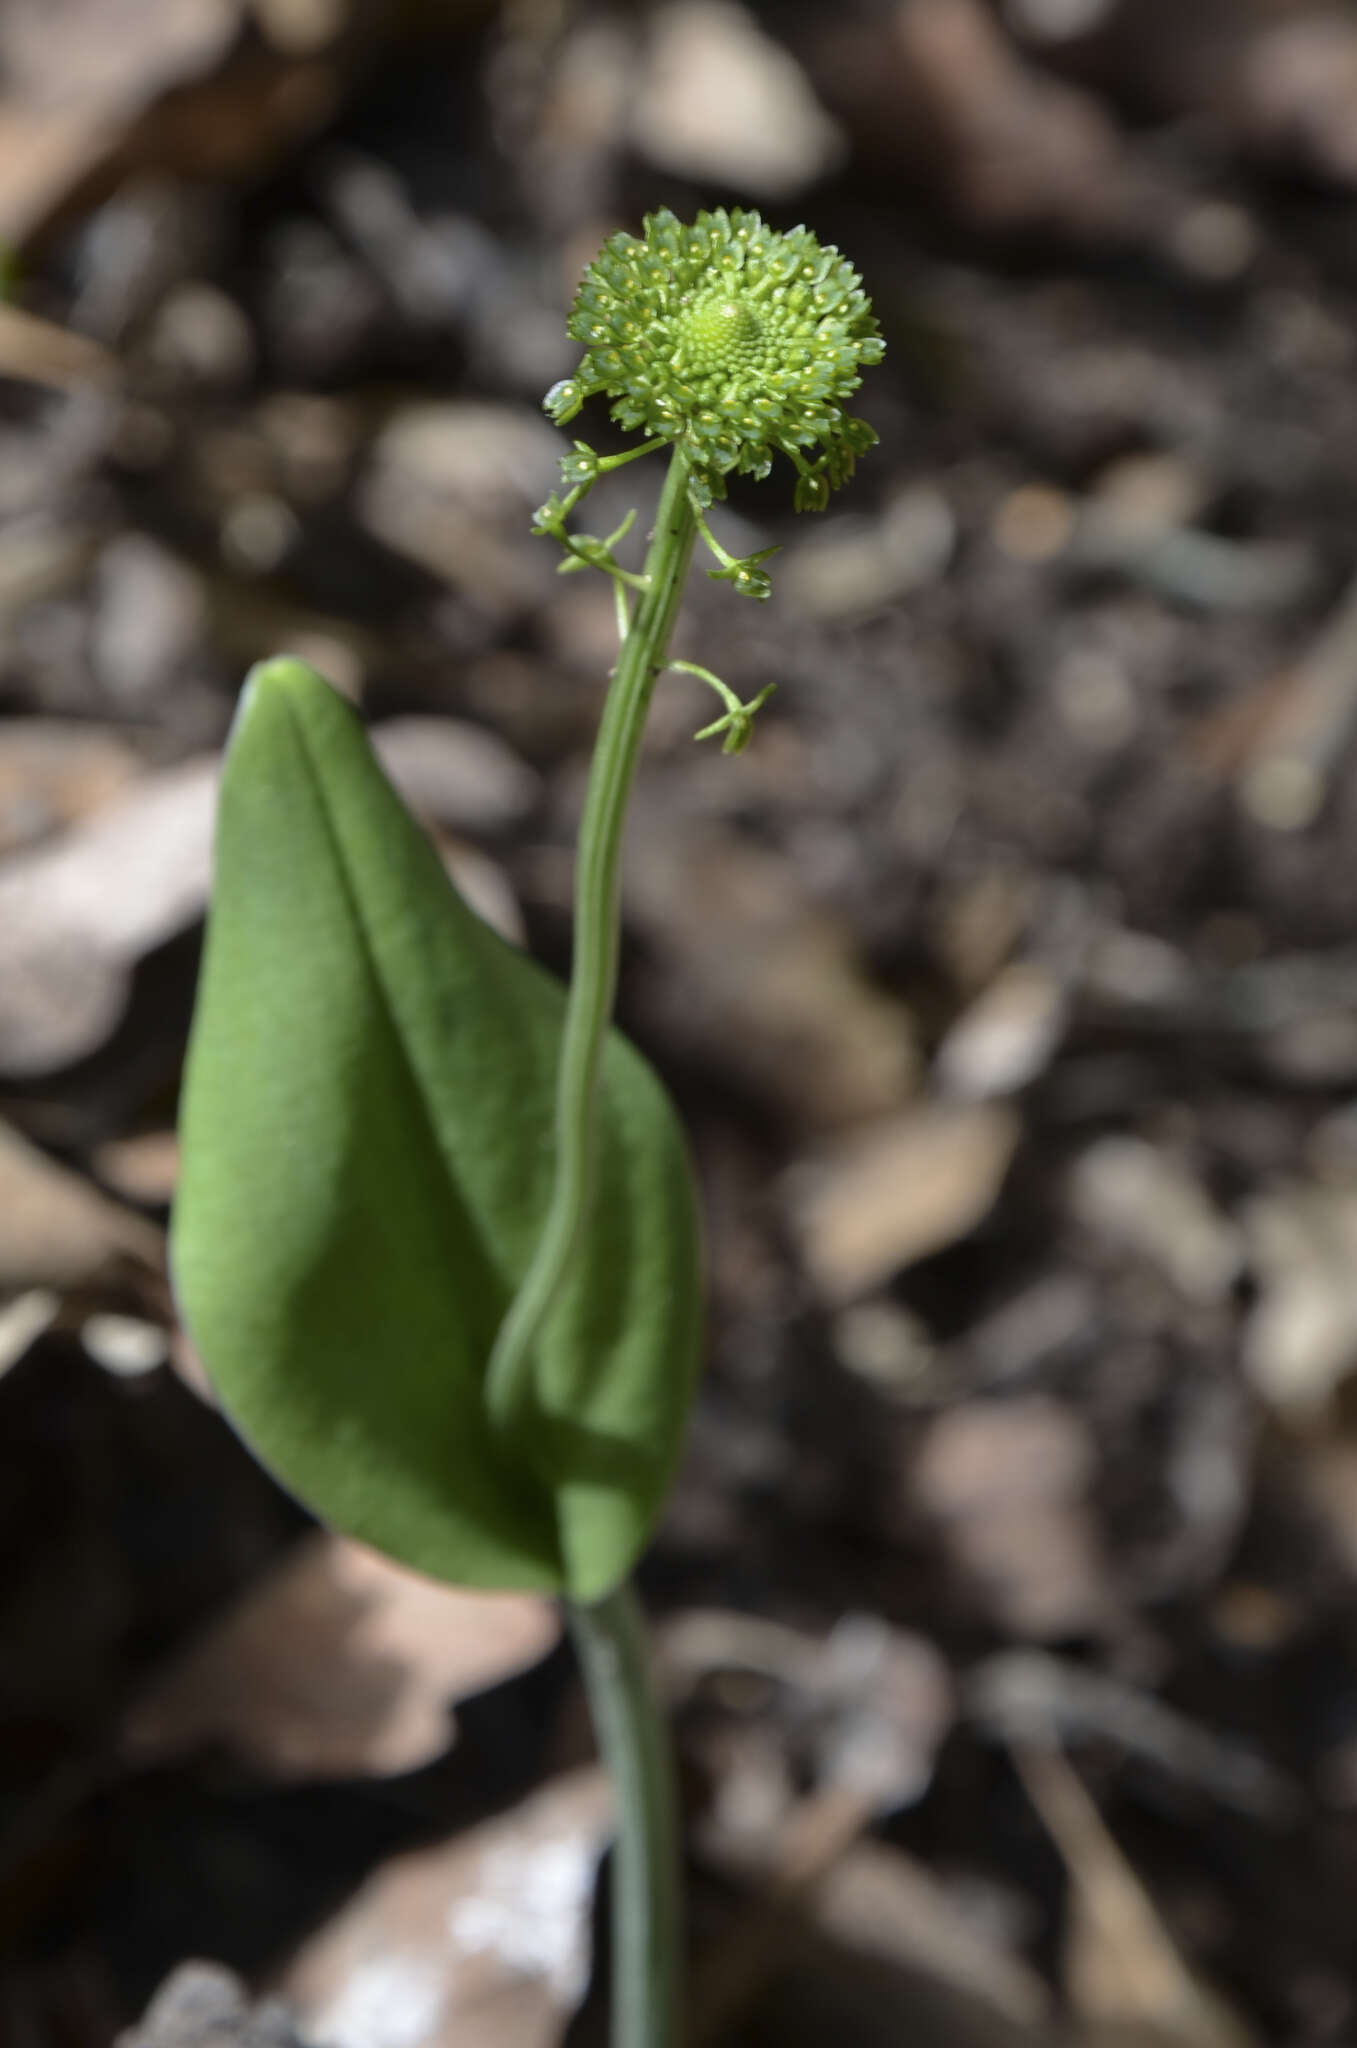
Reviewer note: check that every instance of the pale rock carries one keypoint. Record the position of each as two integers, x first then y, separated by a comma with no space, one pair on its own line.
109,57
54,772
887,1344
483,884
1006,1038
23,1319
1147,1201
907,1188
1138,969
78,912
201,335
1043,1320
1057,21
125,1346
458,774
855,568
1301,1341
149,613
719,101
451,484
203,2005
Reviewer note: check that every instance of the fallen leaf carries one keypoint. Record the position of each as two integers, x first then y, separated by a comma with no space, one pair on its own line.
482,1942
56,1231
765,978
338,1664
55,771
77,913
1124,1977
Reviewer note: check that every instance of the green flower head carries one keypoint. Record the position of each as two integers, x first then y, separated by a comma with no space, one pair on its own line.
731,340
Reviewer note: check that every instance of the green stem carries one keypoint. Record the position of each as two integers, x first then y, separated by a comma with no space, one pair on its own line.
593,982
610,1642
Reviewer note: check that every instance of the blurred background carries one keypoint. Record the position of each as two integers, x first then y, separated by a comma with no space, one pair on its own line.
1007,1605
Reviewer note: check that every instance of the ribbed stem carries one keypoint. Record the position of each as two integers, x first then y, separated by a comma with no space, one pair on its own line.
593,980
610,1641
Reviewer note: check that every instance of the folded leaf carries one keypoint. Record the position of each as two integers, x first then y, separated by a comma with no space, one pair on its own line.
367,1158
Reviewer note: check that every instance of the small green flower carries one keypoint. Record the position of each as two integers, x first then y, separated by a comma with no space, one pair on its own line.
734,341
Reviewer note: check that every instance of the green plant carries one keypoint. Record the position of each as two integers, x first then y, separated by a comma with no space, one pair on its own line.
436,1236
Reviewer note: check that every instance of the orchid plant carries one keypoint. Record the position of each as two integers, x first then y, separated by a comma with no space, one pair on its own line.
436,1236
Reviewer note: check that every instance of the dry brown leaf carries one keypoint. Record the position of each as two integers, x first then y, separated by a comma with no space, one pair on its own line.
76,73
936,89
482,1942
1124,1977
76,914
39,352
338,1664
55,771
56,1231
79,911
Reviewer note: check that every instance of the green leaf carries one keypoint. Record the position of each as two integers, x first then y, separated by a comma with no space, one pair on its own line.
367,1150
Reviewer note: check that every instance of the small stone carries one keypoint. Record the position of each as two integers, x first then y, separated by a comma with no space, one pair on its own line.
149,614
79,911
1301,1341
1096,699
1046,1319
451,486
1284,792
915,1184
1317,1048
1147,1201
203,2005
460,774
886,1343
23,1320
1008,1484
1035,523
1057,21
201,335
855,568
1006,1038
299,27
1215,241
483,884
125,1346
484,1938
53,772
257,532
722,102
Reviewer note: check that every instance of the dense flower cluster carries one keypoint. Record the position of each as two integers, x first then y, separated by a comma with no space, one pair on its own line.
731,340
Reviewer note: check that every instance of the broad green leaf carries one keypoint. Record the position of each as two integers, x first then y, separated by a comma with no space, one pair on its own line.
366,1128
